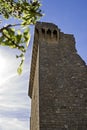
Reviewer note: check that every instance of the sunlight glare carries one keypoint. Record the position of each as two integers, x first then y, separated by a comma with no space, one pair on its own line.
3,67
2,64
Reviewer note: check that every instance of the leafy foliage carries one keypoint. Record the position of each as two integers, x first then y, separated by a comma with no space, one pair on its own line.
26,13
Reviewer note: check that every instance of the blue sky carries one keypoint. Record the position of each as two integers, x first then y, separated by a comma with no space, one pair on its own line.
70,17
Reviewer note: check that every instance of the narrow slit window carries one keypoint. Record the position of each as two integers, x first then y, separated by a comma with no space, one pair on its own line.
55,34
48,34
43,33
37,34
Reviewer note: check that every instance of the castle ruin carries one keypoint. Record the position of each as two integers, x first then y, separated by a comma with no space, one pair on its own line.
58,81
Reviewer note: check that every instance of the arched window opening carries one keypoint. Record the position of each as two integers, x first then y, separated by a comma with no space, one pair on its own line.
55,34
36,34
48,33
43,33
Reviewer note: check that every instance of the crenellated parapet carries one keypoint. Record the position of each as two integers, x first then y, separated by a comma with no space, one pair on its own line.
48,33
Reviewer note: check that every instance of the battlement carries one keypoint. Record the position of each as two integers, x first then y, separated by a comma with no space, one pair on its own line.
47,32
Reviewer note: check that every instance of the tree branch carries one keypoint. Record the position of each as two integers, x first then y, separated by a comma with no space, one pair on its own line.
16,45
13,25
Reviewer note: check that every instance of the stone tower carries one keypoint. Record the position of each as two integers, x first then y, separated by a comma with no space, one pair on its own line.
58,81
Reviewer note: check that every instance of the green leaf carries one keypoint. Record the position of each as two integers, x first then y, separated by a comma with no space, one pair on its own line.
5,31
22,48
1,39
26,36
18,38
19,70
20,56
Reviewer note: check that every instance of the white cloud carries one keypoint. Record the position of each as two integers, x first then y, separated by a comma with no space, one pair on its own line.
13,124
14,100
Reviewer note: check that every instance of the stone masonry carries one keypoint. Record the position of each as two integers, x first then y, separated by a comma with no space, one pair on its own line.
58,81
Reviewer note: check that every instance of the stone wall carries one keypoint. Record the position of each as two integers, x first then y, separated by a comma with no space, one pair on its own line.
62,85
34,119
